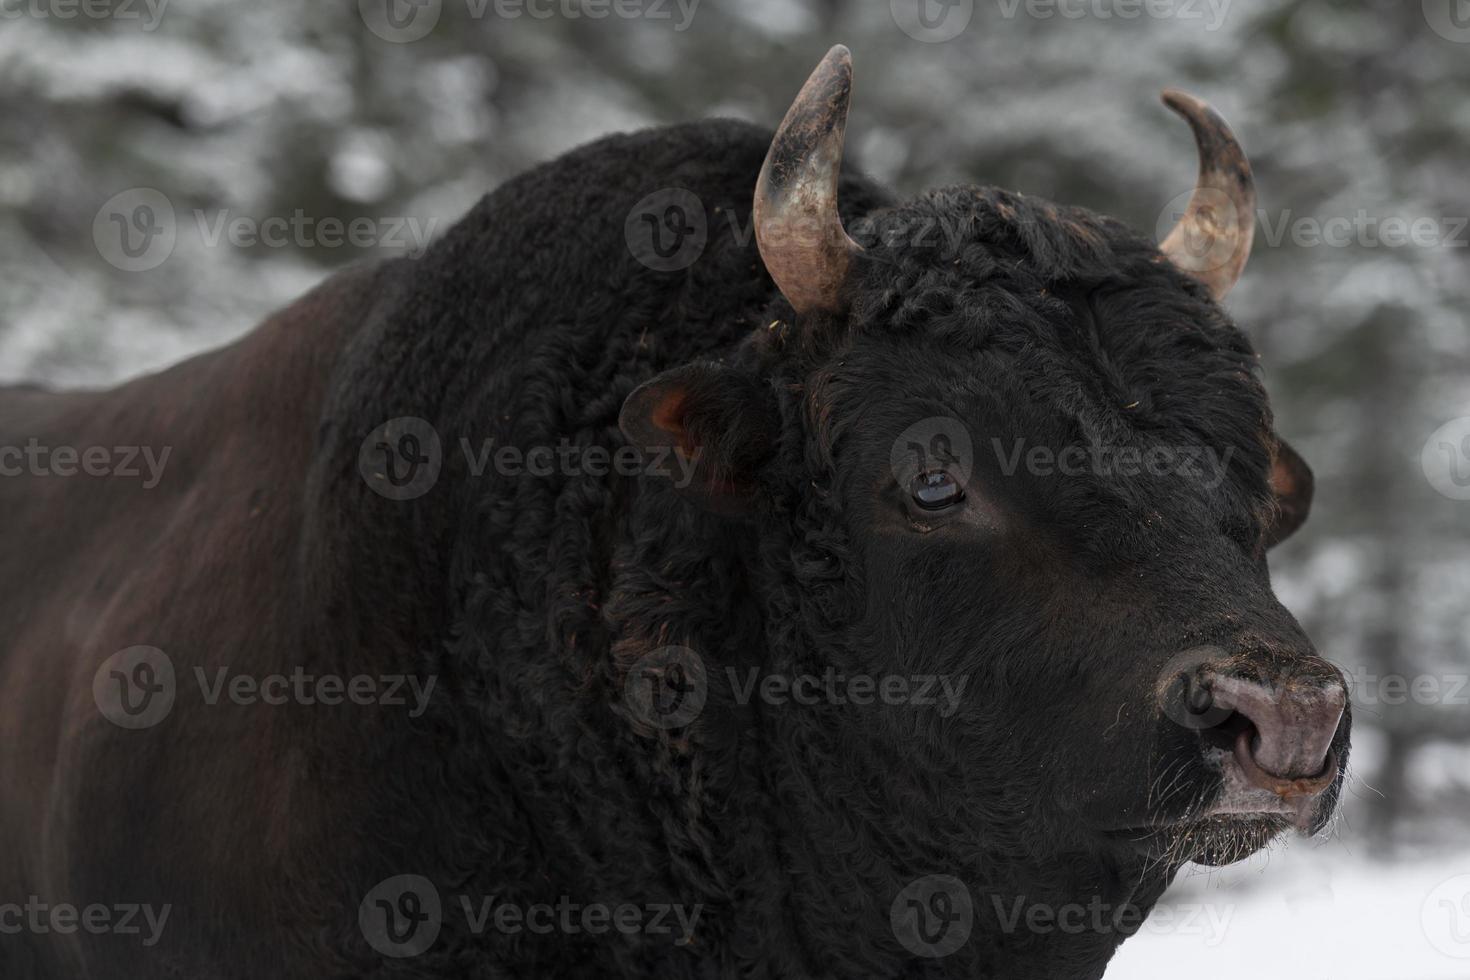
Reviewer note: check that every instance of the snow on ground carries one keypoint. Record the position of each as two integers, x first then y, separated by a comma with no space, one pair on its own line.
1309,911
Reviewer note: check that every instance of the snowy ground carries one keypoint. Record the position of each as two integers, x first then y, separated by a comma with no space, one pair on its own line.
1309,911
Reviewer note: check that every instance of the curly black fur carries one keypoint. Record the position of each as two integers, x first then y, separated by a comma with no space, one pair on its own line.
792,828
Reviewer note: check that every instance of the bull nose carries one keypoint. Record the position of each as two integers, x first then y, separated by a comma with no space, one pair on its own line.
1291,727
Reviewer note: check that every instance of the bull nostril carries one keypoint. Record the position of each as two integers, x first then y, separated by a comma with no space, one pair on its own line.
1286,788
1284,731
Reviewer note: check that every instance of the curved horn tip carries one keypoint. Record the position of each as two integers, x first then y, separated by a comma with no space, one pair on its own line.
797,227
1212,134
831,80
838,52
1181,101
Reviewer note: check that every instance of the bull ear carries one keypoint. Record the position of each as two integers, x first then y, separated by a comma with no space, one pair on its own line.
707,429
1291,483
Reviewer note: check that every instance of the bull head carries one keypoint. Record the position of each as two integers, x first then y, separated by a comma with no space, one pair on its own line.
809,255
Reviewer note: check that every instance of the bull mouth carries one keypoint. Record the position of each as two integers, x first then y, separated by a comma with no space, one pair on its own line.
1188,827
1247,810
1215,839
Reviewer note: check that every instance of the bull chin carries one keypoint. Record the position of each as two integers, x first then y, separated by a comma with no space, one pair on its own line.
1238,819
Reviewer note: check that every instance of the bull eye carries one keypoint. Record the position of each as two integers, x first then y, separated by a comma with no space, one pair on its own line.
936,490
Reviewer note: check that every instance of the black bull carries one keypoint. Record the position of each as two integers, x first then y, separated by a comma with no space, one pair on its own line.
334,695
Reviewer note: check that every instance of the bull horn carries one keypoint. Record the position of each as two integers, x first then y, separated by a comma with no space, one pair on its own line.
797,228
1213,239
